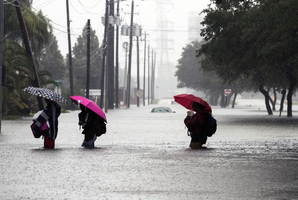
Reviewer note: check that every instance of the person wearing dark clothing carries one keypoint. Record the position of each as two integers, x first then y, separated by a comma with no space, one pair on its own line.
86,120
50,114
196,122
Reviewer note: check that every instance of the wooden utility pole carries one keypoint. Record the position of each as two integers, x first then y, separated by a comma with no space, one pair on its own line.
1,54
69,55
88,60
110,59
148,74
104,48
28,49
153,75
130,55
144,78
117,61
138,71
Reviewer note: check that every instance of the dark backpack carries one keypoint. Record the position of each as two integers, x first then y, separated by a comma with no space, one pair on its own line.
99,126
211,126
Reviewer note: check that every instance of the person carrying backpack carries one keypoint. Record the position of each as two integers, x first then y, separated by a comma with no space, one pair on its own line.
93,125
86,120
196,123
50,114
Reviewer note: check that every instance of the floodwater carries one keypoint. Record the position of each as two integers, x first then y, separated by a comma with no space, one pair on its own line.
145,155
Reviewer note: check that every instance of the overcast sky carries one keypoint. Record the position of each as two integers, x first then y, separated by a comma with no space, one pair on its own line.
176,11
147,14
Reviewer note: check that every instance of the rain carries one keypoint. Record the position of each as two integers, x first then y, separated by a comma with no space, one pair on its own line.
145,155
238,56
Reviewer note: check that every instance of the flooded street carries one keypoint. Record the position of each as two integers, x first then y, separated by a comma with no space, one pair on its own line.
145,155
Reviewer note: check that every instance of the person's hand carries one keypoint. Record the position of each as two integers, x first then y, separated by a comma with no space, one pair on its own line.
190,113
80,123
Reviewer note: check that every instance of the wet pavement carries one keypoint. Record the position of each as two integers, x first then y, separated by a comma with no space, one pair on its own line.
145,155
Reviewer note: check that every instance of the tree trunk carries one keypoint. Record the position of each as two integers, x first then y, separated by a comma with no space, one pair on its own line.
283,92
293,82
213,99
222,101
275,98
267,97
234,99
228,100
271,100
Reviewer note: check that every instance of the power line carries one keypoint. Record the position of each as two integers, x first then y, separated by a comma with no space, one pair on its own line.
87,12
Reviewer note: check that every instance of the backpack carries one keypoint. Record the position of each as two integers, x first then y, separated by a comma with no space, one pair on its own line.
99,126
211,126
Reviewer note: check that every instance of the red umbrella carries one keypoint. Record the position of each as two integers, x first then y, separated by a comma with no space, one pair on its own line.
89,104
187,100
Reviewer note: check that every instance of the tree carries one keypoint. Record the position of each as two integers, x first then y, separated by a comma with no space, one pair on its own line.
279,51
80,59
249,41
20,72
38,26
191,75
52,60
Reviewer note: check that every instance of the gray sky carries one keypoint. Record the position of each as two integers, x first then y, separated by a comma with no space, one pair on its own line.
146,12
81,11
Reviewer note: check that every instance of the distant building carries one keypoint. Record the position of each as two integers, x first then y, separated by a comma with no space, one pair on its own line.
194,26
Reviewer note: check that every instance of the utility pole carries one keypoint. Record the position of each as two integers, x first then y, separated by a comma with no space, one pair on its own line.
110,66
117,61
138,71
144,78
125,46
88,60
104,48
148,74
130,54
69,55
1,54
28,49
152,75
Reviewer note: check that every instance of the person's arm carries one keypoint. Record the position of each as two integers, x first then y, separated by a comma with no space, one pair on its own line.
196,123
81,118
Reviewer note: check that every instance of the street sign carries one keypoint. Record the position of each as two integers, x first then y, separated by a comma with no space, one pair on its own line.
139,93
228,92
94,92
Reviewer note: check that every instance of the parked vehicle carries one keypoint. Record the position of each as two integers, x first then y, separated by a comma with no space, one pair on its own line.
162,110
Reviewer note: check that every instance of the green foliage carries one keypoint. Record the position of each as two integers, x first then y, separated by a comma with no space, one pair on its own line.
79,60
253,42
190,73
188,68
20,71
52,61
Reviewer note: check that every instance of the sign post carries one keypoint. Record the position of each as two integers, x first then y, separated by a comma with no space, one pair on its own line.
227,93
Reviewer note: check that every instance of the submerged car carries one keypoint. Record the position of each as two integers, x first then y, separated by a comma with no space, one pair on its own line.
162,110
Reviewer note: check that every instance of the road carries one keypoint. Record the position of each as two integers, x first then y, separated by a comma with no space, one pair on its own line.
145,155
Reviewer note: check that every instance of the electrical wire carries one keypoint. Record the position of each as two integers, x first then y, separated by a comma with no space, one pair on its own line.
87,12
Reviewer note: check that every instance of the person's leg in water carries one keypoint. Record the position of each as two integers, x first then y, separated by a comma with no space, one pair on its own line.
195,145
49,143
89,139
197,140
91,142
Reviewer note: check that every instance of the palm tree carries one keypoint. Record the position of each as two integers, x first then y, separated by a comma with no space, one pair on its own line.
20,72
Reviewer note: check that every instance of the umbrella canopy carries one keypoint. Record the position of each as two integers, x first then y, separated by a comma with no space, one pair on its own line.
187,100
45,93
89,104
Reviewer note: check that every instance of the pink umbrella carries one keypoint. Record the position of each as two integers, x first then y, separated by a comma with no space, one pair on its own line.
89,104
187,100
